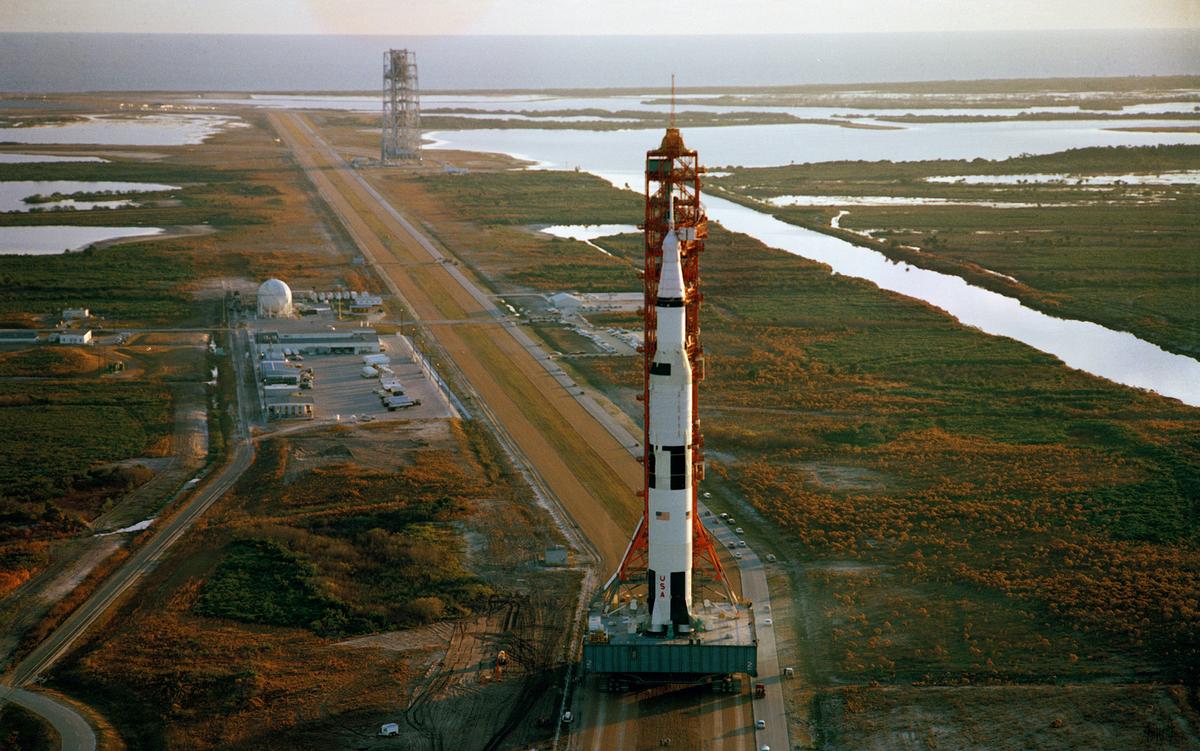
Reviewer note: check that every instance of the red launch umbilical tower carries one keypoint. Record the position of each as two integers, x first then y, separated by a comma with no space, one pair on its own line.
672,176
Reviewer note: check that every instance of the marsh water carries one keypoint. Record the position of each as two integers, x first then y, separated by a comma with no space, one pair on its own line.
14,192
137,130
52,240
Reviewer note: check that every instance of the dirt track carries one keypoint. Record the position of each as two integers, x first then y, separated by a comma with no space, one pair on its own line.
587,469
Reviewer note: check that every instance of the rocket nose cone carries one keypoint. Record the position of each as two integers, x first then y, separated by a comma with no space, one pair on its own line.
670,281
671,242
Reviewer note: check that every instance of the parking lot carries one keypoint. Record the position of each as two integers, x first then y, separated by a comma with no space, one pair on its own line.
341,393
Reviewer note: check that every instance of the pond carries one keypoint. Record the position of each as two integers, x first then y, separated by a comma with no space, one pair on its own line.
141,130
52,240
13,193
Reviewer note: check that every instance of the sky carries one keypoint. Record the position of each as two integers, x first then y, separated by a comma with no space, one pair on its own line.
588,17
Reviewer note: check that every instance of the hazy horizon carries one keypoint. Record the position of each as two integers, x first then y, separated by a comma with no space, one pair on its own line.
120,61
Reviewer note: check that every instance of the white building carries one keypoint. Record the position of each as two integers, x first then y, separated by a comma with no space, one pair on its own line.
75,314
274,299
75,337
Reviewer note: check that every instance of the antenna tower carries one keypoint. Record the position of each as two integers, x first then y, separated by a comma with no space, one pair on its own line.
401,107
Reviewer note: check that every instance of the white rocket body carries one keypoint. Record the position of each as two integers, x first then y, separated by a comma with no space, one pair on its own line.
670,494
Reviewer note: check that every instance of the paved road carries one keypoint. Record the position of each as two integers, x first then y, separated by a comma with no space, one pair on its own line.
755,590
72,727
73,731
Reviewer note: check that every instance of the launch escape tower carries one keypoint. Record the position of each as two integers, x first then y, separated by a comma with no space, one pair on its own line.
401,107
671,637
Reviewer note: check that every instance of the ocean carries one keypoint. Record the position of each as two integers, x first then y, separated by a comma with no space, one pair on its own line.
206,62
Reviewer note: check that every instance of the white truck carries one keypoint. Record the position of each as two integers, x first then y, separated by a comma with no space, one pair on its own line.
392,386
394,403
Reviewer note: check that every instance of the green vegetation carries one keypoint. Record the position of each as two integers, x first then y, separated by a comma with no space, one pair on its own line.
1053,512
1102,93
262,582
90,195
761,182
329,533
349,549
137,282
53,432
43,361
564,340
150,281
911,118
511,255
505,198
58,442
1120,255
620,120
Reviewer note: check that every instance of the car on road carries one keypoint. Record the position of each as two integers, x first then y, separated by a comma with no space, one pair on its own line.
741,543
707,494
767,621
740,531
764,747
760,724
730,520
732,546
738,556
568,718
770,557
724,515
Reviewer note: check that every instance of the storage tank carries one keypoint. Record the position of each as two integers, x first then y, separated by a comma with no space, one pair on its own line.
274,299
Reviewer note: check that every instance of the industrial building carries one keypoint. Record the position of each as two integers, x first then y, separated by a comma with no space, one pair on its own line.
75,314
363,304
359,341
279,372
274,299
83,336
291,409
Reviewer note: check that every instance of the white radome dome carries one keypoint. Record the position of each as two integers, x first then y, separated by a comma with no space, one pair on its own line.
274,299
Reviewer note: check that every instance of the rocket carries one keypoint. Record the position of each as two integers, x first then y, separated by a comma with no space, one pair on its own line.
669,514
